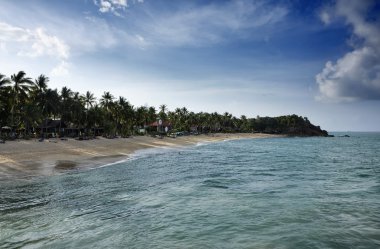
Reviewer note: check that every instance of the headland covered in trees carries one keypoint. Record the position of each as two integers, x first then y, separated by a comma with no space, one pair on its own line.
31,113
30,109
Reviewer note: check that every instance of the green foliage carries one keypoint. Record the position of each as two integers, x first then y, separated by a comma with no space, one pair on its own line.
25,105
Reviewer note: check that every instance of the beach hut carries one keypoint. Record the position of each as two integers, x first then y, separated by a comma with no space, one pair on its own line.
163,126
50,127
5,131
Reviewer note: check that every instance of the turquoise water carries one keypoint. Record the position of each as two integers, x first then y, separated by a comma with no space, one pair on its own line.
262,193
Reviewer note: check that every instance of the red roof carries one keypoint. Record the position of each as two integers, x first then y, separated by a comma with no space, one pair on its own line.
165,123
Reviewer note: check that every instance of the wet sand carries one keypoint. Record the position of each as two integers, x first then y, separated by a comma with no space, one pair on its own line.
26,158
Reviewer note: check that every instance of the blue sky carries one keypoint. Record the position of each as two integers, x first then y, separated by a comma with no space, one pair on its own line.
319,59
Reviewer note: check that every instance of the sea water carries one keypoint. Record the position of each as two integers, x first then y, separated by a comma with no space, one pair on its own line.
253,193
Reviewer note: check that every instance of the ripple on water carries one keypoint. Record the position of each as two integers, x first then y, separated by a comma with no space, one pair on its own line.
267,193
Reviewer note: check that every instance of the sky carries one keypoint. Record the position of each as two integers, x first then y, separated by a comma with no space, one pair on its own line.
319,59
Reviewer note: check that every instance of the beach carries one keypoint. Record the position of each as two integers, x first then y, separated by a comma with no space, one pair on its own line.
26,158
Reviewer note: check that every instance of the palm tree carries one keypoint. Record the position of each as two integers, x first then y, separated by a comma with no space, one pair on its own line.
40,84
19,87
162,113
185,119
66,94
243,125
226,120
96,116
215,121
141,115
152,116
125,116
39,92
163,108
107,103
3,82
89,100
77,109
106,100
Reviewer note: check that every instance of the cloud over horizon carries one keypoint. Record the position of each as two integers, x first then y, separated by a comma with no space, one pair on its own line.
355,76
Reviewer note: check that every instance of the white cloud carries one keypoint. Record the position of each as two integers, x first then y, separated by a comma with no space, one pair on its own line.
180,25
326,14
44,44
212,23
32,43
355,76
115,7
197,25
105,6
325,17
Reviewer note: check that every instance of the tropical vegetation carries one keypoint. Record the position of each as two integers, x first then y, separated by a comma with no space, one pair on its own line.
26,105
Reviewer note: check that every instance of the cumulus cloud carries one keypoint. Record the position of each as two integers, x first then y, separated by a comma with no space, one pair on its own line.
115,7
355,76
326,14
33,43
44,44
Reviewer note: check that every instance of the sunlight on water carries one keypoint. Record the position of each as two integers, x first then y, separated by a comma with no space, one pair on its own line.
263,193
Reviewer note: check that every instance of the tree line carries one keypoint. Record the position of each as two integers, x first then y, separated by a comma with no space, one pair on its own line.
26,103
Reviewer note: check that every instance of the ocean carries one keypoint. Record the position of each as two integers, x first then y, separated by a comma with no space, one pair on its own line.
252,193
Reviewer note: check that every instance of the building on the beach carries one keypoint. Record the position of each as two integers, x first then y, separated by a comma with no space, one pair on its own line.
163,126
55,127
51,127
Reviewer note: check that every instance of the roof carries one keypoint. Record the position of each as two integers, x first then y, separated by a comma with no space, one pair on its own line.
51,123
165,123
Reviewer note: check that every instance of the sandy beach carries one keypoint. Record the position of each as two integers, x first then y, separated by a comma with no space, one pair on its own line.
25,158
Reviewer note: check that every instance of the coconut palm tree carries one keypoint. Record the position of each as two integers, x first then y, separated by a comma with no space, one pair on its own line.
245,124
107,103
39,95
40,83
162,113
77,109
66,94
125,116
4,81
106,100
215,120
141,116
88,100
19,87
226,121
96,116
152,116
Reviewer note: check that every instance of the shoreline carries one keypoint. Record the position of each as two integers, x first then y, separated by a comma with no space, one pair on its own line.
31,158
